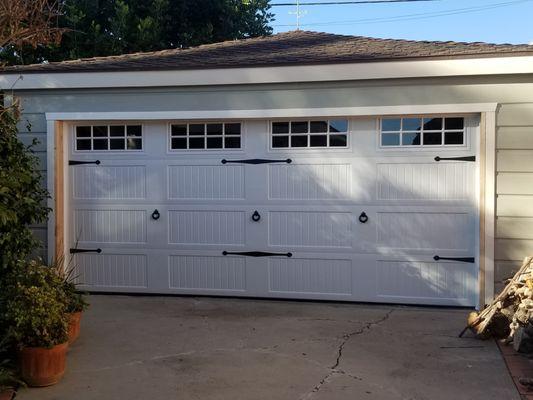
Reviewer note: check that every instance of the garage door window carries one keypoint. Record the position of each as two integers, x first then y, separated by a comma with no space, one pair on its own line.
109,137
427,131
310,133
202,136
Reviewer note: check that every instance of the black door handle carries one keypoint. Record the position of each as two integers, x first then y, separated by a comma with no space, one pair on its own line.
256,216
363,218
156,215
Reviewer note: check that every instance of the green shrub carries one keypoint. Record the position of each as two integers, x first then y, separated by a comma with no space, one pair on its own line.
36,307
22,197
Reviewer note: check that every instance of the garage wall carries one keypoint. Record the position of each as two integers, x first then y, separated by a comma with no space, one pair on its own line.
514,141
514,226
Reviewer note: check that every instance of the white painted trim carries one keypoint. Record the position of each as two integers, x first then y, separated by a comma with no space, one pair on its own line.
490,202
50,163
275,113
280,74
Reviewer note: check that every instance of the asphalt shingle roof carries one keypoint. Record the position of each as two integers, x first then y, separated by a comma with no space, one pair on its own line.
288,48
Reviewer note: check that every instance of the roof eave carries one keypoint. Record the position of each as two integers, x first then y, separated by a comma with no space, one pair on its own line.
65,68
340,71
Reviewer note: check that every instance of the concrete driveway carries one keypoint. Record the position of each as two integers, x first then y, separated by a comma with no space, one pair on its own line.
163,348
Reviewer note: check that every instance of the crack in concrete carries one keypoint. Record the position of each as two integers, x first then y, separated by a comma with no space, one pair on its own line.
360,331
334,369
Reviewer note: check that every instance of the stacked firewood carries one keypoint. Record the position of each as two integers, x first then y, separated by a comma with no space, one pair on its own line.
510,315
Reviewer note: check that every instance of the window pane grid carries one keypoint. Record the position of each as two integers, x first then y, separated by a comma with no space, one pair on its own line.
108,137
309,134
427,131
205,136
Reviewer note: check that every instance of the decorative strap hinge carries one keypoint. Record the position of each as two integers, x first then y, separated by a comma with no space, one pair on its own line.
466,158
256,254
76,162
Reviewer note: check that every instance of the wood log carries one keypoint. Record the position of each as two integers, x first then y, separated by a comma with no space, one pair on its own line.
479,324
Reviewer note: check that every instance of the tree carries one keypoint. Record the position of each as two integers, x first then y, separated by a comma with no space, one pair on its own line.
28,24
111,27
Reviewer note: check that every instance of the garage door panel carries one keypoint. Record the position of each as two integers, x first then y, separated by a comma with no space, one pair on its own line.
314,228
107,270
310,276
110,225
310,181
424,230
126,182
425,281
207,227
416,207
207,272
206,182
425,181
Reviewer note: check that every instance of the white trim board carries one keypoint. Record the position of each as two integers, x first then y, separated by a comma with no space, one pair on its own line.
275,113
277,74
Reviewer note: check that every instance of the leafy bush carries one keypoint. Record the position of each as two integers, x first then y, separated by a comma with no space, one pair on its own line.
36,307
22,197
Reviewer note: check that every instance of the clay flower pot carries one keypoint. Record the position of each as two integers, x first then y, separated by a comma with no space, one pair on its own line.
40,366
74,327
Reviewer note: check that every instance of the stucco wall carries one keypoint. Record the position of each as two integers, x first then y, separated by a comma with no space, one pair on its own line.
514,135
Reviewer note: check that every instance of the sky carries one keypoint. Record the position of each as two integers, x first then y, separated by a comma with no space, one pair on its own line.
494,21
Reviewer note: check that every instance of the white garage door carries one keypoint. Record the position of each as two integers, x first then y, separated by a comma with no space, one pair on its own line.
379,210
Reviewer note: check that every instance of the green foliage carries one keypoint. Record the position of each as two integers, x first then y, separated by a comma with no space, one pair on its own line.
35,306
22,197
111,27
75,300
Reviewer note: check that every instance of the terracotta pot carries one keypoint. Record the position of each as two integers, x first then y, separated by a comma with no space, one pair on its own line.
40,366
7,394
74,327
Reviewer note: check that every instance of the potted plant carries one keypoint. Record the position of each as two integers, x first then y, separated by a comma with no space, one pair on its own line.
76,304
75,301
37,322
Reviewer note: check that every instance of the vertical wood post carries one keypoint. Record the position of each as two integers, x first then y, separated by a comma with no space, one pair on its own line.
59,192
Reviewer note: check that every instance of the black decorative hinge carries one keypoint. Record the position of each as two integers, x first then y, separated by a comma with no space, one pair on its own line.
76,162
467,158
74,251
460,259
256,161
255,253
